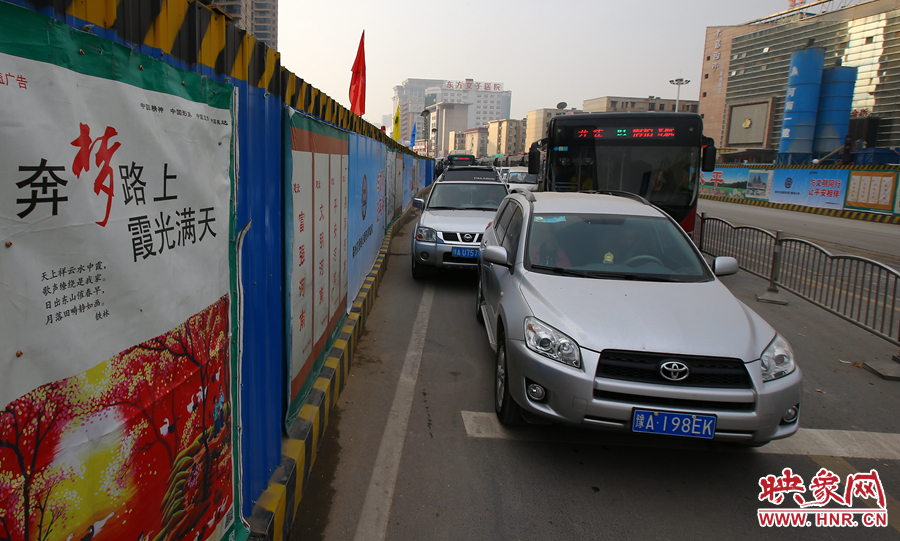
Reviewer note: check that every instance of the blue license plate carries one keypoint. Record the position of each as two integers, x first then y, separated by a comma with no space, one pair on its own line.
465,252
691,425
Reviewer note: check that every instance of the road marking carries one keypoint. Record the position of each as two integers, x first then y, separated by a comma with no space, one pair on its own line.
842,469
373,519
874,445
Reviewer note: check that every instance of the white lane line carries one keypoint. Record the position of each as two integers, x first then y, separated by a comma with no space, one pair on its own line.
373,519
851,444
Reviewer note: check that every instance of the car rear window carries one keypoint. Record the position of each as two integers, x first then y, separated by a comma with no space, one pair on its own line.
470,174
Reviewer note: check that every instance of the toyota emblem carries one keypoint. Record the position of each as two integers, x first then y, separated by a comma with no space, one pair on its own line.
467,237
674,370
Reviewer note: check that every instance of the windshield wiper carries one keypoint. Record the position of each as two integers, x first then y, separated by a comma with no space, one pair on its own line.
564,271
630,276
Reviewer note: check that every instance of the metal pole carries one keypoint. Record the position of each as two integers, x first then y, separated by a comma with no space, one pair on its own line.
772,295
677,97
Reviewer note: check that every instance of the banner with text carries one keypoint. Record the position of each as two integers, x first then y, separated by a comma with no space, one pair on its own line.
115,219
366,217
819,188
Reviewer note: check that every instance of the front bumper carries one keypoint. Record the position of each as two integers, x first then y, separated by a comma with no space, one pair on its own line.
440,254
579,398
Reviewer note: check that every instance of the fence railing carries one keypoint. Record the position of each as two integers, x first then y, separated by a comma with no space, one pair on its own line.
859,290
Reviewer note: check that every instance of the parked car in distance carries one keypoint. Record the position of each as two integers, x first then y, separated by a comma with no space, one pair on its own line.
453,221
603,314
519,177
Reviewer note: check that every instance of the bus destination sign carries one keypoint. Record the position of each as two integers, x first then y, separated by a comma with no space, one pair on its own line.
624,133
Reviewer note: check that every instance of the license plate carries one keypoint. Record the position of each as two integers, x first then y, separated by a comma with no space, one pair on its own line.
691,425
465,252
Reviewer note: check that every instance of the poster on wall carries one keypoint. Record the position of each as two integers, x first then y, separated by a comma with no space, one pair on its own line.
871,191
759,184
317,237
725,182
115,219
366,211
818,188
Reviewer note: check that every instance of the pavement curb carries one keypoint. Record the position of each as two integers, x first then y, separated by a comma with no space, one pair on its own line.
849,214
273,513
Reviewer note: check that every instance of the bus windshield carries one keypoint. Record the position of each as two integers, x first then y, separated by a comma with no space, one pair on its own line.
664,175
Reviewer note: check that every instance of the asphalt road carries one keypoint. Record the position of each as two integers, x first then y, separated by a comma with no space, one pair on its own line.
877,241
413,450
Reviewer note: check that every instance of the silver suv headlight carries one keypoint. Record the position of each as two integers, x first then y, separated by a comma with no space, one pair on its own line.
777,360
544,339
426,234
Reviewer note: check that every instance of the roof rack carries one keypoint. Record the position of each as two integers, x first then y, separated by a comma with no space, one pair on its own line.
527,193
619,193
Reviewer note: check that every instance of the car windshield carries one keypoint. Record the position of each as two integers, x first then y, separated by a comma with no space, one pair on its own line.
461,196
469,174
522,178
611,246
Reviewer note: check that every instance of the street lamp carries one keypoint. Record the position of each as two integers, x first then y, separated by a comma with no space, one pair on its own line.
678,82
425,124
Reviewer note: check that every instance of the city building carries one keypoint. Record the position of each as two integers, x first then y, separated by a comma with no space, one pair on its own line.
239,11
444,118
488,99
619,104
506,136
259,17
745,72
476,141
537,121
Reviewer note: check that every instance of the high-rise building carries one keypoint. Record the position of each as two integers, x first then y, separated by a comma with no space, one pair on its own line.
476,141
619,104
488,101
445,118
259,17
745,72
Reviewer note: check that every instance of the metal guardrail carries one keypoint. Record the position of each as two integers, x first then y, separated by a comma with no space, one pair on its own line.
859,290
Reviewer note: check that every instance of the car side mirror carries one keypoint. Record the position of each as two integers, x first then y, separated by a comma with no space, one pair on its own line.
723,266
496,254
418,203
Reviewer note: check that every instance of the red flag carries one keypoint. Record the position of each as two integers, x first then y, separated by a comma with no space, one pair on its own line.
358,81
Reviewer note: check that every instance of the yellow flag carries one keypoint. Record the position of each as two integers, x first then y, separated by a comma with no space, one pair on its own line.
396,133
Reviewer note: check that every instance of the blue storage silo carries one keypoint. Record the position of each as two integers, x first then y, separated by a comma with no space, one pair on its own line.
800,105
835,104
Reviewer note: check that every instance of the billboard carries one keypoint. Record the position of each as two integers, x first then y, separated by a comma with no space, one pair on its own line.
819,188
871,191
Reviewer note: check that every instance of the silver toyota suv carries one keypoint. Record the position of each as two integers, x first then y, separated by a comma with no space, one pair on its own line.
603,314
452,223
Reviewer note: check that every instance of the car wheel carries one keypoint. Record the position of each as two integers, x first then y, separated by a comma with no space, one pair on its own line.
419,272
479,298
508,411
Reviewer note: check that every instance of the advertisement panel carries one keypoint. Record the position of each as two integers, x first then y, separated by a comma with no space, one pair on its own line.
314,236
115,220
759,184
818,188
366,223
725,182
871,191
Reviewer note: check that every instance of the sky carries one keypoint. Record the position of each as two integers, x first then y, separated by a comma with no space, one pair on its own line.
544,52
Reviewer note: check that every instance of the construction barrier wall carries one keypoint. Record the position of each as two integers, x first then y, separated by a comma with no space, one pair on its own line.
873,190
184,228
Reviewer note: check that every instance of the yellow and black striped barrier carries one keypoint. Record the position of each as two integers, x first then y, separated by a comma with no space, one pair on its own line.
851,214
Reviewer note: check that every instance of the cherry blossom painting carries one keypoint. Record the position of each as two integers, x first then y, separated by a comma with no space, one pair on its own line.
137,448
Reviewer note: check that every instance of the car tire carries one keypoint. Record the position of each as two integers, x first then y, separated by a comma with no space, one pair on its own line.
419,272
479,298
508,411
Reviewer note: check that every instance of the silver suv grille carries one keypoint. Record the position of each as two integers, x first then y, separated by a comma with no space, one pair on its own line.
474,238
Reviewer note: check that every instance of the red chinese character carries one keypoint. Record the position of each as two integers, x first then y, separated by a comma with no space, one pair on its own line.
318,184
302,319
322,268
496,86
477,86
449,84
321,240
321,212
302,255
321,294
296,188
3,81
302,287
774,488
459,85
468,85
335,205
824,487
104,154
332,181
302,218
864,485
22,82
334,255
335,231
